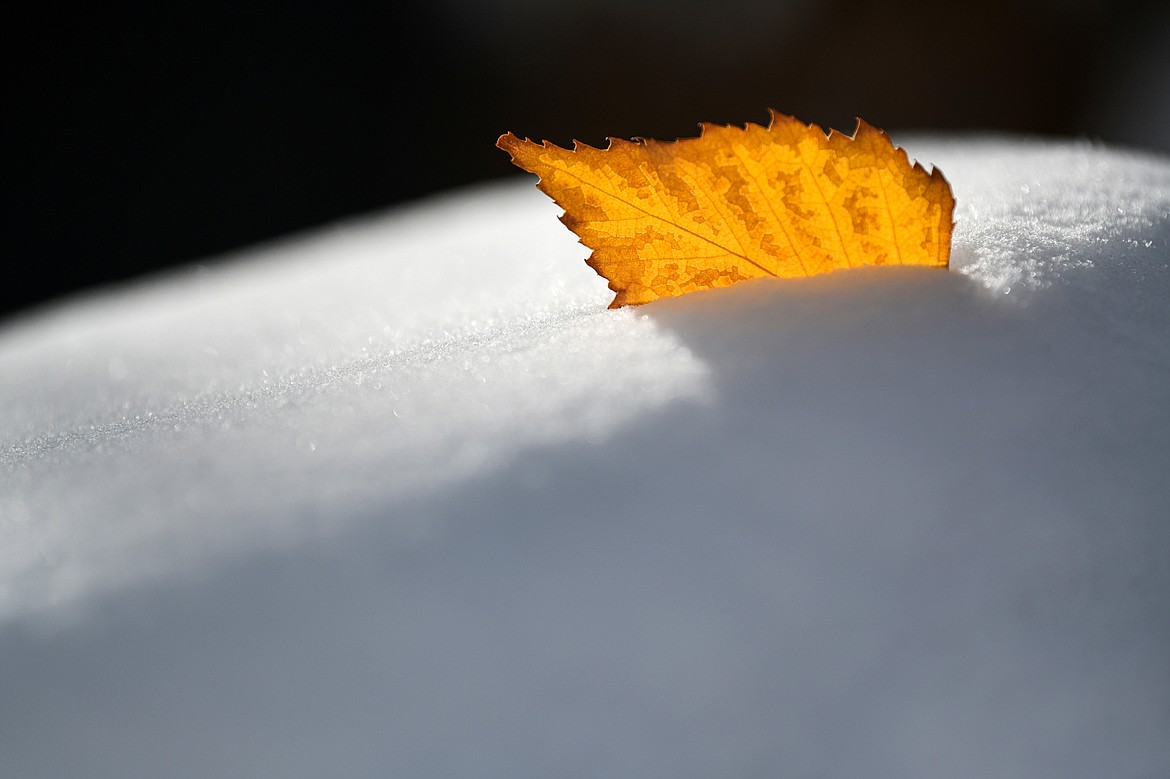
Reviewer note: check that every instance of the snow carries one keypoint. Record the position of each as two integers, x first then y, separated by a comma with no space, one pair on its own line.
402,498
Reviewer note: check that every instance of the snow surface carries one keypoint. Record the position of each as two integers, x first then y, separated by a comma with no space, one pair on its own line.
402,498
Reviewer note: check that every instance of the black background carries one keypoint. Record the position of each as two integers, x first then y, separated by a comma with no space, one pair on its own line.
140,136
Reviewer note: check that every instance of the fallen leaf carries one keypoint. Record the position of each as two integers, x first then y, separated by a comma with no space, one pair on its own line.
666,218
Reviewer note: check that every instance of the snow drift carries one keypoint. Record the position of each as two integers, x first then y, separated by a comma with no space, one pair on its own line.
401,498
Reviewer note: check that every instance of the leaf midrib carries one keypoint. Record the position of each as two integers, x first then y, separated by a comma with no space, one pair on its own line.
664,220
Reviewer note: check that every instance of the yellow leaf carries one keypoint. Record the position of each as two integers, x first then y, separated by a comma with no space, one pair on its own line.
665,218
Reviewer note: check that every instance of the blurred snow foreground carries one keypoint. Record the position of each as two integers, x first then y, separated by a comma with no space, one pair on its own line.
402,498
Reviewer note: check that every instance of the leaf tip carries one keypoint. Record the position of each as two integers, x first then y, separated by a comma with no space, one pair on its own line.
508,142
521,150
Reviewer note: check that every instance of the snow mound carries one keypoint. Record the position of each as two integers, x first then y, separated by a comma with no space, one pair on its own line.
402,497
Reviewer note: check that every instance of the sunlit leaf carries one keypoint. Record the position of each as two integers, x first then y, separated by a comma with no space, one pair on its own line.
665,218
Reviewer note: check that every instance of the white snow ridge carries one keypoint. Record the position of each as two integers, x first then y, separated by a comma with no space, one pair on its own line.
402,498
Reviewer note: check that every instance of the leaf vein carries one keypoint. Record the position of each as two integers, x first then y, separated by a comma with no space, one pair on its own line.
636,207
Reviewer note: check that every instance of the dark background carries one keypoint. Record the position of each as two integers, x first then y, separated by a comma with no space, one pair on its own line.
141,136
